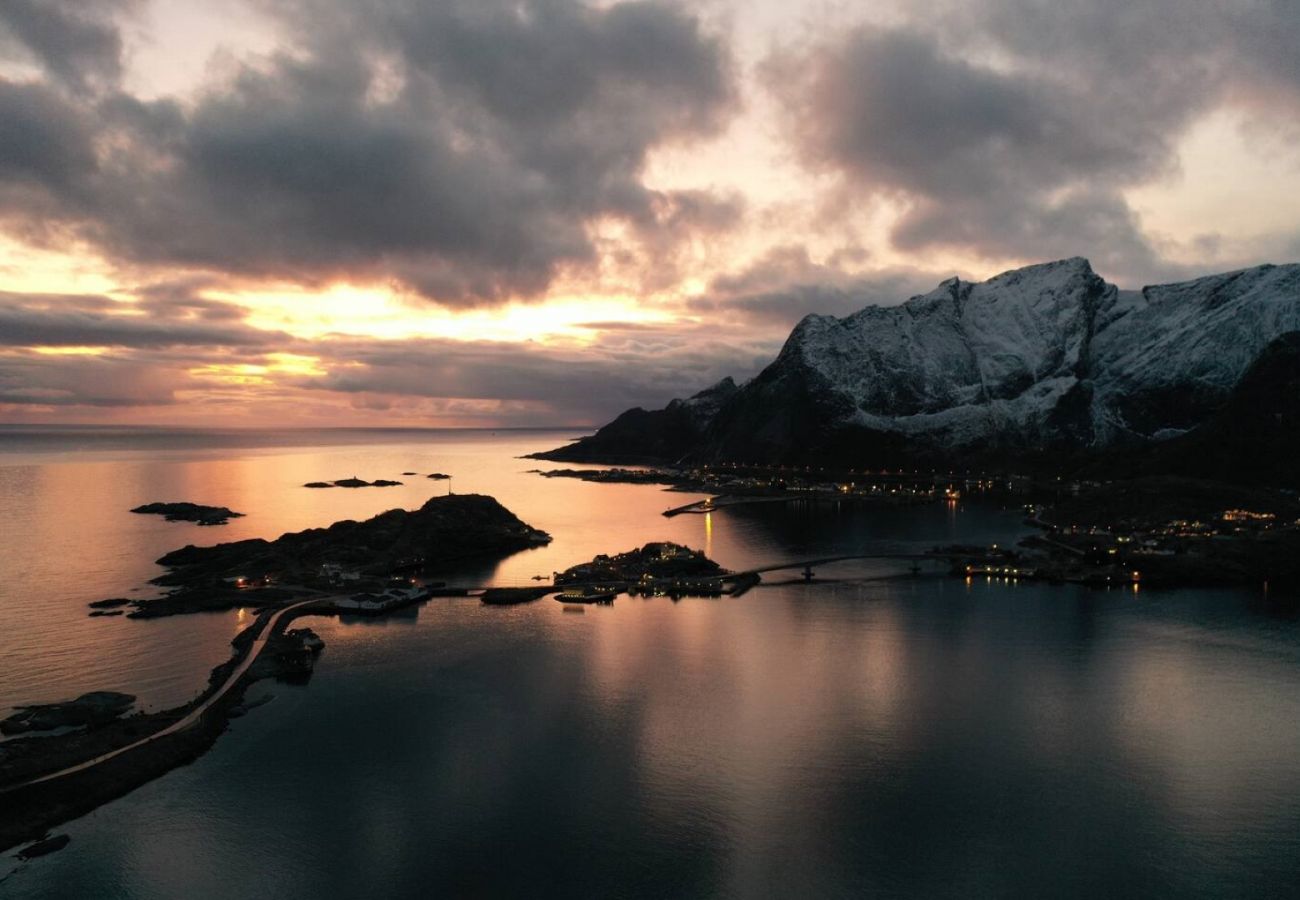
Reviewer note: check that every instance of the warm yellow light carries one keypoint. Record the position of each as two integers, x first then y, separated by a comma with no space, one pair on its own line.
294,364
232,373
380,313
30,269
70,351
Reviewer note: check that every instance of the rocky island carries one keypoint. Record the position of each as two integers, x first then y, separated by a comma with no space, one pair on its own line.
257,572
353,482
189,512
660,568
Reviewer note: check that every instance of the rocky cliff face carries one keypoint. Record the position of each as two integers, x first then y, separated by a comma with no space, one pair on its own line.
1049,357
648,436
1252,439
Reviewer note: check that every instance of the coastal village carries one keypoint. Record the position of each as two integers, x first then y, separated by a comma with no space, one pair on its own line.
1155,531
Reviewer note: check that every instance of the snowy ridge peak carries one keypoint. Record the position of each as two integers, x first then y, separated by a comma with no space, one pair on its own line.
1044,356
961,343
1047,357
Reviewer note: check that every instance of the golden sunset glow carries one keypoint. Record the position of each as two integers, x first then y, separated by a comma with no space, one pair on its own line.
378,313
69,351
408,240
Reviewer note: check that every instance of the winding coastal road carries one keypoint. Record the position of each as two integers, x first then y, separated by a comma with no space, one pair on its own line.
255,651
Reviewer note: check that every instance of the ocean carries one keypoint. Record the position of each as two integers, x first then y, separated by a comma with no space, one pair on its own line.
880,734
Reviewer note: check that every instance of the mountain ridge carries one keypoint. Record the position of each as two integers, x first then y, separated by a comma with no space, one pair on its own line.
1049,358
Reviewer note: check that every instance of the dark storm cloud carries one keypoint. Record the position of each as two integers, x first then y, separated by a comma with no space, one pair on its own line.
45,142
32,380
639,368
183,298
1143,57
76,41
460,149
785,306
1010,127
61,320
785,284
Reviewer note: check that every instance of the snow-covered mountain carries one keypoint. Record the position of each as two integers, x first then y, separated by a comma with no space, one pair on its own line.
1046,357
1251,439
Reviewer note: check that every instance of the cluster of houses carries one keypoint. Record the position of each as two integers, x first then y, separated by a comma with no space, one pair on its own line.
377,602
657,569
899,487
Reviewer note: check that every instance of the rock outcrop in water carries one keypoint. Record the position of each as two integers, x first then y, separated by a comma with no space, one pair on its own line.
189,512
352,482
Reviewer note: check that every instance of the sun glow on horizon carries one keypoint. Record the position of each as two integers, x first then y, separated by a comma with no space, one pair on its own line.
348,310
258,373
70,351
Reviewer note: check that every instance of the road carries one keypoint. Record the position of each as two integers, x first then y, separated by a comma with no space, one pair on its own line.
259,644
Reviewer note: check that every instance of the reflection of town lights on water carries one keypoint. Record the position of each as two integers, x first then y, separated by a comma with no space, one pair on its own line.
708,535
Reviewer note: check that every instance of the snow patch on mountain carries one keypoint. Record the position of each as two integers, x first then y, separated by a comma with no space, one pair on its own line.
1050,356
1045,353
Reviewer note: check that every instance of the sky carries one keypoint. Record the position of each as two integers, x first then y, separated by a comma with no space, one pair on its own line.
507,213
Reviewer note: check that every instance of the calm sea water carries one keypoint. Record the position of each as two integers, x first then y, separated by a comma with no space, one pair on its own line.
883,735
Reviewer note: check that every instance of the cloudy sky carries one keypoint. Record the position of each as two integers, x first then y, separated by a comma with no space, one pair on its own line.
532,212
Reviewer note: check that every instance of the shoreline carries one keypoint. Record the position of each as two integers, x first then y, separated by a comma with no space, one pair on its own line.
97,766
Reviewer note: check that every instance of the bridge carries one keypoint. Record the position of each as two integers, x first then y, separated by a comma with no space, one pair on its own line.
807,564
722,501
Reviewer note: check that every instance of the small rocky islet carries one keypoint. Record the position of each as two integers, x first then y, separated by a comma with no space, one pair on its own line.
353,482
189,512
110,607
